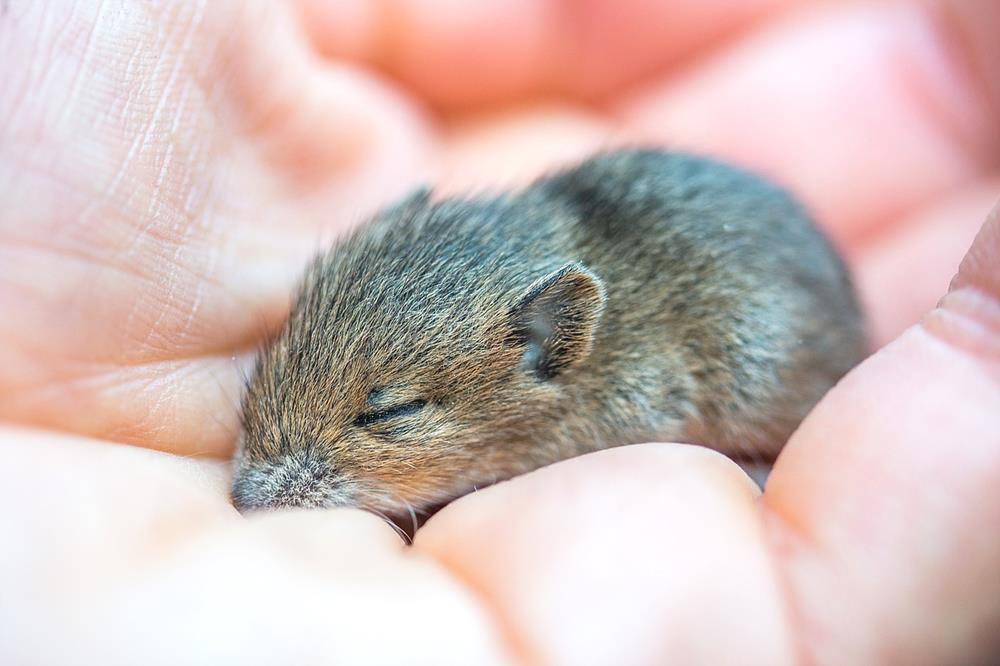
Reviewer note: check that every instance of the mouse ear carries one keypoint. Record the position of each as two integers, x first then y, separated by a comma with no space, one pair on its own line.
556,319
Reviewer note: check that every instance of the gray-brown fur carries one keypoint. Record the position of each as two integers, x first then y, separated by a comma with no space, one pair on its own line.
640,296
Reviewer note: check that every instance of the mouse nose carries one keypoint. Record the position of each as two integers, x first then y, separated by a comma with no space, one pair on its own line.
286,483
243,500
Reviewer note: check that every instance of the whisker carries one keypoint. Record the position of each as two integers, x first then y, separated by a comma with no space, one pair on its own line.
399,530
413,516
414,523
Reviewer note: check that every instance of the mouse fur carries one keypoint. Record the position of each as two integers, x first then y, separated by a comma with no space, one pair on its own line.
640,295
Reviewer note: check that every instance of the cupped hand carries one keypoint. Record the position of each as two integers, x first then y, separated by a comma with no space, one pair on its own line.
166,170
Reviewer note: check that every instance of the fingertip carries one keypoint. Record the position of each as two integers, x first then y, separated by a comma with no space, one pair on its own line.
460,54
885,499
627,555
969,315
979,269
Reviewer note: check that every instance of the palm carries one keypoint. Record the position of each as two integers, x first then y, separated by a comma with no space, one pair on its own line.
152,227
155,227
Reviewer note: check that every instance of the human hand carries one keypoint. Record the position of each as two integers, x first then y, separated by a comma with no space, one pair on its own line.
165,172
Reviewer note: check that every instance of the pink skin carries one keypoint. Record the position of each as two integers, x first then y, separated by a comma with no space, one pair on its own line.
164,173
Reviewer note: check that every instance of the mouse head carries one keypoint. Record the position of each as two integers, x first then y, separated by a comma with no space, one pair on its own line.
412,370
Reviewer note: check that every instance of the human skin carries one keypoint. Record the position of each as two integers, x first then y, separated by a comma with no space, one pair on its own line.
166,170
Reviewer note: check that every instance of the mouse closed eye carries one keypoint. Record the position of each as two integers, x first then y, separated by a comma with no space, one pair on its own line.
390,413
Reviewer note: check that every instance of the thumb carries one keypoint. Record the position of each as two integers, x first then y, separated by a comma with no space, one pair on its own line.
885,504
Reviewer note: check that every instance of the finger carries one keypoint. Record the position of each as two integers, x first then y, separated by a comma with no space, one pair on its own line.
863,110
884,504
902,274
460,53
643,554
129,556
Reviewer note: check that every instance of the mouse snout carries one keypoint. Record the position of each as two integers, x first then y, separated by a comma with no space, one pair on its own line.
291,481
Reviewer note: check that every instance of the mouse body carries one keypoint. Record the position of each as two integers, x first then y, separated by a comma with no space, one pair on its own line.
641,295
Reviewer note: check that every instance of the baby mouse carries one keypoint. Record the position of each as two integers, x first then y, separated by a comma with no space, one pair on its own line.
443,346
